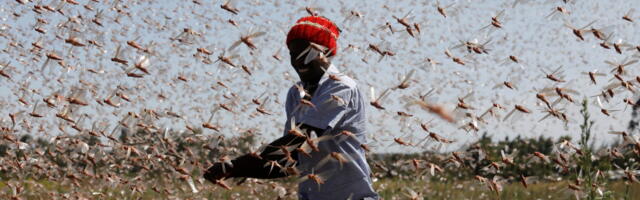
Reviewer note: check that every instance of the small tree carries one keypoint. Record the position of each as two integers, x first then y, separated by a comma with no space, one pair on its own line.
585,161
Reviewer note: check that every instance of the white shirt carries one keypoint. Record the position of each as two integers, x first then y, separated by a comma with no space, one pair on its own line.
339,106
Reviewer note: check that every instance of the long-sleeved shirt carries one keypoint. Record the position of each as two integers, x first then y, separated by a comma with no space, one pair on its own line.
338,106
336,113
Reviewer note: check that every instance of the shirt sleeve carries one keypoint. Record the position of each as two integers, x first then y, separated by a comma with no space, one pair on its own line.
288,104
329,108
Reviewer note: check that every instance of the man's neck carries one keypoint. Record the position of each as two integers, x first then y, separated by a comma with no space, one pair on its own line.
311,85
310,88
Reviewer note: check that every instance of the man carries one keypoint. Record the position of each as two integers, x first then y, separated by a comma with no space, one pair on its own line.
325,130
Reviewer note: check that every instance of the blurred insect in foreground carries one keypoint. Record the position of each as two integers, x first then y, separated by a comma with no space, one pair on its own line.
228,7
227,59
495,24
208,123
579,31
50,56
556,11
619,67
593,74
517,108
4,70
116,58
261,108
443,10
376,101
404,21
404,84
553,76
312,52
628,16
247,40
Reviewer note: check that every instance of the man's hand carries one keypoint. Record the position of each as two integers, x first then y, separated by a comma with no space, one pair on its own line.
218,171
258,166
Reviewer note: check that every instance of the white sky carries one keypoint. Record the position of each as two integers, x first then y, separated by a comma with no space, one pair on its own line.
539,42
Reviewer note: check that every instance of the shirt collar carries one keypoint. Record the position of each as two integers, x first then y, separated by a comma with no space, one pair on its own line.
332,69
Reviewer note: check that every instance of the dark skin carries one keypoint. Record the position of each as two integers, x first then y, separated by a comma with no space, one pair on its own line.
249,166
310,73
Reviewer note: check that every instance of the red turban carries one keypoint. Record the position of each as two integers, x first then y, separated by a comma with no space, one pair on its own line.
316,29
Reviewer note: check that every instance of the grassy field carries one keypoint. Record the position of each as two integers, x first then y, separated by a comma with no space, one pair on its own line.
395,189
256,189
119,174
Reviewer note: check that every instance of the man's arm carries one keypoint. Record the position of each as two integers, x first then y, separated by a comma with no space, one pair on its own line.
269,164
273,160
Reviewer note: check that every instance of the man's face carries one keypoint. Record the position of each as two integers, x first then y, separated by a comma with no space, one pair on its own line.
310,72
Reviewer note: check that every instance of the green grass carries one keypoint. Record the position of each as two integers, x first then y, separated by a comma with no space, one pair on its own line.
472,189
387,188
